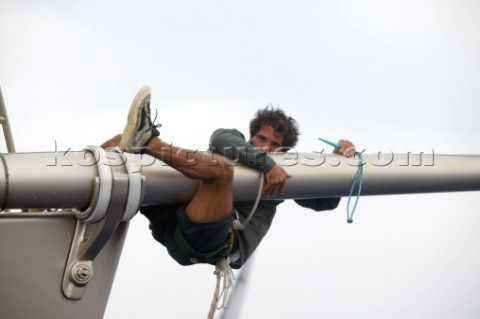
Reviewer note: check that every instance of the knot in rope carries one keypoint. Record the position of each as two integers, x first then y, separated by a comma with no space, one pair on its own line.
222,270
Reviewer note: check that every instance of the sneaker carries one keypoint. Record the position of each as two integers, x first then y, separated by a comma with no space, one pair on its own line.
139,130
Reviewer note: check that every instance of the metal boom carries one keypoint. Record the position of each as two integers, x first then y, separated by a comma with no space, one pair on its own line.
60,253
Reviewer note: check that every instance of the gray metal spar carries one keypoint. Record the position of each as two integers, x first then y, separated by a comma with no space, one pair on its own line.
66,180
317,175
46,180
80,248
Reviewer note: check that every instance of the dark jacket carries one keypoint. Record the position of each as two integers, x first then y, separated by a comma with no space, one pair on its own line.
232,144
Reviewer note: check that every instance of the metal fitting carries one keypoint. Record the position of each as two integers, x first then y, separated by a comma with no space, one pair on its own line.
82,274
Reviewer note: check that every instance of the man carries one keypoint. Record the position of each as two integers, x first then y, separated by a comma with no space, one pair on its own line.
201,230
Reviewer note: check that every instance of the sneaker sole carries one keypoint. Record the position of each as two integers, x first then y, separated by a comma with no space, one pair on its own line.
133,118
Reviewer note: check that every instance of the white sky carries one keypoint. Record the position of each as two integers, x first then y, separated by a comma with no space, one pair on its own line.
389,75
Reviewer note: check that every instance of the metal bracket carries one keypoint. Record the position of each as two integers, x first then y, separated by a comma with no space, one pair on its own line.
135,186
90,237
102,188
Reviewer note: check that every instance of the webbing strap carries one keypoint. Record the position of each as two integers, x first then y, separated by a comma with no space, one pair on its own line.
185,246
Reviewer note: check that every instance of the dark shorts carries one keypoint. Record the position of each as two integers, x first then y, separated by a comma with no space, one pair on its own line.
207,241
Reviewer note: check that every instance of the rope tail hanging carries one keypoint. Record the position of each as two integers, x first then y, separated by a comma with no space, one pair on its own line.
222,267
222,270
357,179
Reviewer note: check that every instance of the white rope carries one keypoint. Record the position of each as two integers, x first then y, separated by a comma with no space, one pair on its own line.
236,223
222,269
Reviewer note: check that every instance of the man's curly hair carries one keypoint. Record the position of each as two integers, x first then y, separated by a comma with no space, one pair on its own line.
279,121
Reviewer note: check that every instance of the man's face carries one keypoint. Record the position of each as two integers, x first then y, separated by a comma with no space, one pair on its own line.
267,139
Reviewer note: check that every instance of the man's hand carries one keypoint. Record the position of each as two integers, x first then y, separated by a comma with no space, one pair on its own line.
275,181
347,148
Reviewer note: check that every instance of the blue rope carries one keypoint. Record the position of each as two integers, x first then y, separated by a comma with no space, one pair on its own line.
358,177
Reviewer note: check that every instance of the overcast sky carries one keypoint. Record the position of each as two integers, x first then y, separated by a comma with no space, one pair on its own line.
389,75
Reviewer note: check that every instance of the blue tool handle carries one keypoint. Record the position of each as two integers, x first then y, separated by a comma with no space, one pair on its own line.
335,145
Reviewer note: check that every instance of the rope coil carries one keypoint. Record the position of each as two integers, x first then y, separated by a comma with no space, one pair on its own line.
357,178
222,270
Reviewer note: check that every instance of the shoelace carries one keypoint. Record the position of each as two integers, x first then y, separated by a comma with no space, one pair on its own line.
152,123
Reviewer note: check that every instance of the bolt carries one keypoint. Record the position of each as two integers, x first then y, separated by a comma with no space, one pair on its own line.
82,273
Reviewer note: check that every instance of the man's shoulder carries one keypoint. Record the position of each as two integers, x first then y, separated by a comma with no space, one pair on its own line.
226,134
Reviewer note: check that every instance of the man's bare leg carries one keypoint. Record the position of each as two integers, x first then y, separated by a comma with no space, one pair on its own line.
213,200
113,142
